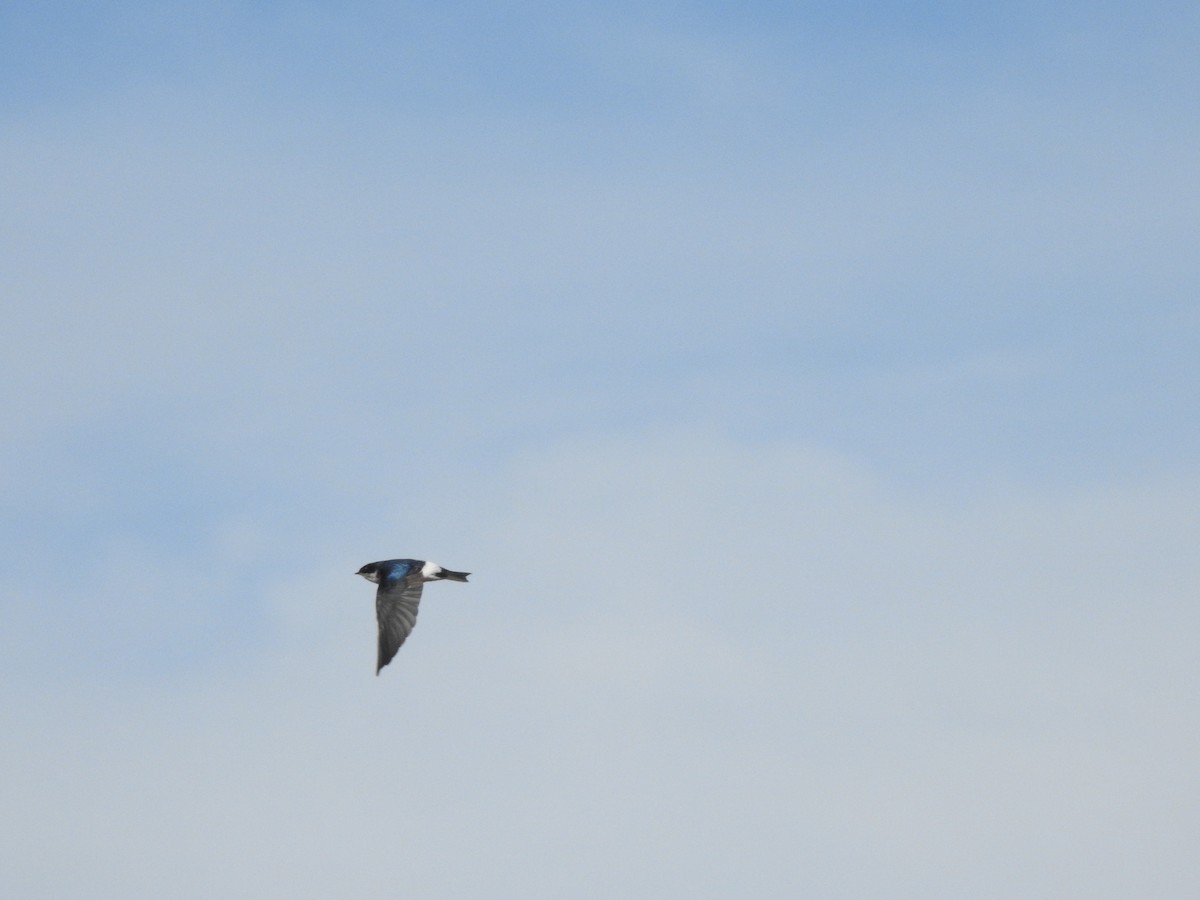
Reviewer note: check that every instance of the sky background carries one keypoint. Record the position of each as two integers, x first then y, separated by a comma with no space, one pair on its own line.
812,388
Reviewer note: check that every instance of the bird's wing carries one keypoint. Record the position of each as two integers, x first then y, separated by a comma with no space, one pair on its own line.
396,611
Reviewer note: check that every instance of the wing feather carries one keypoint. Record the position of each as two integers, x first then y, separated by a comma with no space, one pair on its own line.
396,612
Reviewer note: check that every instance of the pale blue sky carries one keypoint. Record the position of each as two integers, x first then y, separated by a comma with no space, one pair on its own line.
867,339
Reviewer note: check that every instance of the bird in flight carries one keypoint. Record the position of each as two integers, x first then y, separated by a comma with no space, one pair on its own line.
396,599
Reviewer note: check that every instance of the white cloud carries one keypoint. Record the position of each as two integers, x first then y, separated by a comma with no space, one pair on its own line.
810,682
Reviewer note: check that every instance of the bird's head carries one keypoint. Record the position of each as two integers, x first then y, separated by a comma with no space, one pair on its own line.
370,572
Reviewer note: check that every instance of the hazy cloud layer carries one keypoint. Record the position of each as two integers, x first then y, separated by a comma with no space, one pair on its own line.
811,685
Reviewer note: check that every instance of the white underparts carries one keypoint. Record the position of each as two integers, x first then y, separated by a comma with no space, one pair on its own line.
430,571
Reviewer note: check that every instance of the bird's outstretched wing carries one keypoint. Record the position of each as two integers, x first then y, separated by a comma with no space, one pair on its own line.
396,611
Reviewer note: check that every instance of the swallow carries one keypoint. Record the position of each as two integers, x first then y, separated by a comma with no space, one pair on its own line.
397,597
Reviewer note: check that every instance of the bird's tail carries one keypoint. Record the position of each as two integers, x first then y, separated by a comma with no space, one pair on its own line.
453,576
